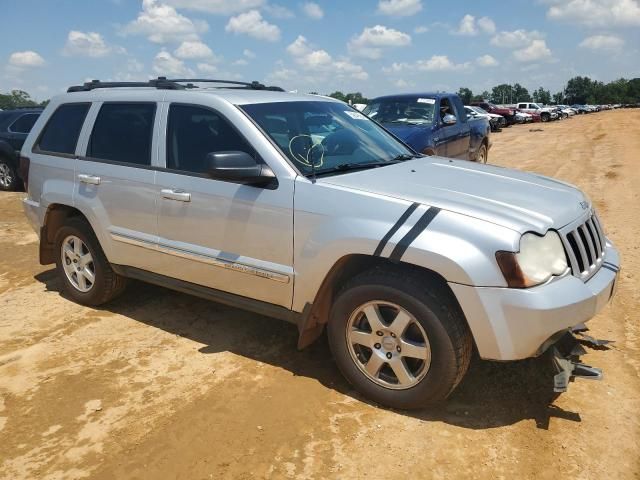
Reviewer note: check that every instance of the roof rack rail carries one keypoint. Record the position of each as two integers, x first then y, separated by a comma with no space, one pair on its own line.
171,84
251,85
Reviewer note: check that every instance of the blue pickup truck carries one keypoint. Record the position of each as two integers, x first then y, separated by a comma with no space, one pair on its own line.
433,124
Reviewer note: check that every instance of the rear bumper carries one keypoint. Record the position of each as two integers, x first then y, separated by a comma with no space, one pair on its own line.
512,324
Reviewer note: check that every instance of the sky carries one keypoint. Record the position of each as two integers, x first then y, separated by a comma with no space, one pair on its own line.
372,46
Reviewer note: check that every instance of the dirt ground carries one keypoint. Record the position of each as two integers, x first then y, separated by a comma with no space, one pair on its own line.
161,385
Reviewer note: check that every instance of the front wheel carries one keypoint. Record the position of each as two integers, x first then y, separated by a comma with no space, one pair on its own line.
398,339
482,155
545,117
8,177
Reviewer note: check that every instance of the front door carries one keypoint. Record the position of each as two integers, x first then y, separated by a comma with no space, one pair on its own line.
226,236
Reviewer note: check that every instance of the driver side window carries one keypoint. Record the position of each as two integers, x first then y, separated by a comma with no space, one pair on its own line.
445,108
193,132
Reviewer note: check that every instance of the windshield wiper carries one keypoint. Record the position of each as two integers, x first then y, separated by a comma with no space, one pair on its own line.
345,167
404,156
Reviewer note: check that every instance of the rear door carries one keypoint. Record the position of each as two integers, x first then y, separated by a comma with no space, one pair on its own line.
115,181
226,236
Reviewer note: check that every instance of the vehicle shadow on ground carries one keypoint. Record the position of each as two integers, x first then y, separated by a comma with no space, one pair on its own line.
492,394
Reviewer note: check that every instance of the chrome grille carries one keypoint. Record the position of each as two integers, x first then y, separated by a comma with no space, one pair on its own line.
585,246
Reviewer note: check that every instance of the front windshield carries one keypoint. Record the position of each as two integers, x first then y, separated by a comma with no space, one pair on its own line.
328,136
402,110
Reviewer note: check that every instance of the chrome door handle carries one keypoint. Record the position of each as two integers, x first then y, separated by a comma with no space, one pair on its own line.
178,195
90,179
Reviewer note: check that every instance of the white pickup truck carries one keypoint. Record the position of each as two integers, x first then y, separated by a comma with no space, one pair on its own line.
546,114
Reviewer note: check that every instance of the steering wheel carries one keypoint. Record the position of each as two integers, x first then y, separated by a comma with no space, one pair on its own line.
342,142
301,148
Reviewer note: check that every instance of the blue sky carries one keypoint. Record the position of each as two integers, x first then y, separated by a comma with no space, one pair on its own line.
372,46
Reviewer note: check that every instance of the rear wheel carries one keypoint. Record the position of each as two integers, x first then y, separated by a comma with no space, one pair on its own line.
398,340
86,274
8,177
545,117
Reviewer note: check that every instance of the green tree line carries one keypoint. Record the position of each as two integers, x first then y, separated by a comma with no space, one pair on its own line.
18,98
579,90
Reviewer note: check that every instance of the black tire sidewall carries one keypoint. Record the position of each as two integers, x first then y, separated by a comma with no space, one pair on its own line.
439,380
81,230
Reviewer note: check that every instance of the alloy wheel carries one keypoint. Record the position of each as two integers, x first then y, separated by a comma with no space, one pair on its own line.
78,264
6,176
388,345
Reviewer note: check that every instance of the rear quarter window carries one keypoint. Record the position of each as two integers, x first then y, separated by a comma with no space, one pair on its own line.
60,134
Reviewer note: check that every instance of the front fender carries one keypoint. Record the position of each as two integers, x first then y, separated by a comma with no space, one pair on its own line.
459,248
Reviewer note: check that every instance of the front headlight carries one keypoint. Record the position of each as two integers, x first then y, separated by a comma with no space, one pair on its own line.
538,260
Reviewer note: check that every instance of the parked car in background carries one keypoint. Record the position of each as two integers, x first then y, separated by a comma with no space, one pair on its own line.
546,114
433,124
496,121
509,114
581,109
523,117
15,125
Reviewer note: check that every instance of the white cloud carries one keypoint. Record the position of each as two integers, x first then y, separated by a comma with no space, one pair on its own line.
165,64
487,25
487,61
596,13
240,63
193,50
251,23
248,53
372,40
421,29
161,23
603,42
321,61
217,7
470,26
278,11
467,26
536,51
89,44
437,63
313,10
516,38
440,63
399,8
206,67
26,59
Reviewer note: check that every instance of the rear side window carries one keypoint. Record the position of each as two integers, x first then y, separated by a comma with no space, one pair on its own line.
61,133
193,132
24,123
122,133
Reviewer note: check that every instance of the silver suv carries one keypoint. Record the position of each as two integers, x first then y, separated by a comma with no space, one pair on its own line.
301,208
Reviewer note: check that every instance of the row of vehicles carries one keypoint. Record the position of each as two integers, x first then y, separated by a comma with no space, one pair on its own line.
302,208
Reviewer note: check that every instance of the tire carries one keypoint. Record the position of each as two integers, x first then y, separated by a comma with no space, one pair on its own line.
106,284
482,156
8,176
545,117
434,312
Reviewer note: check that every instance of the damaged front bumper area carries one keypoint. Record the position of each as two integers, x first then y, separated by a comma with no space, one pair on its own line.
566,353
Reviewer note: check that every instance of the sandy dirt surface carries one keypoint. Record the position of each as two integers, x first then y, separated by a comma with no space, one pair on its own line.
161,385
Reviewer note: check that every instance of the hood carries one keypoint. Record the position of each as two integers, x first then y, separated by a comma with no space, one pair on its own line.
408,133
510,198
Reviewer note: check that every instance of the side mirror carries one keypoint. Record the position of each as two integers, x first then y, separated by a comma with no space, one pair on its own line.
449,119
240,167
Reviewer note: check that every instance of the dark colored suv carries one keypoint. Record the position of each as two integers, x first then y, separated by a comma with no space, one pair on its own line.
15,125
